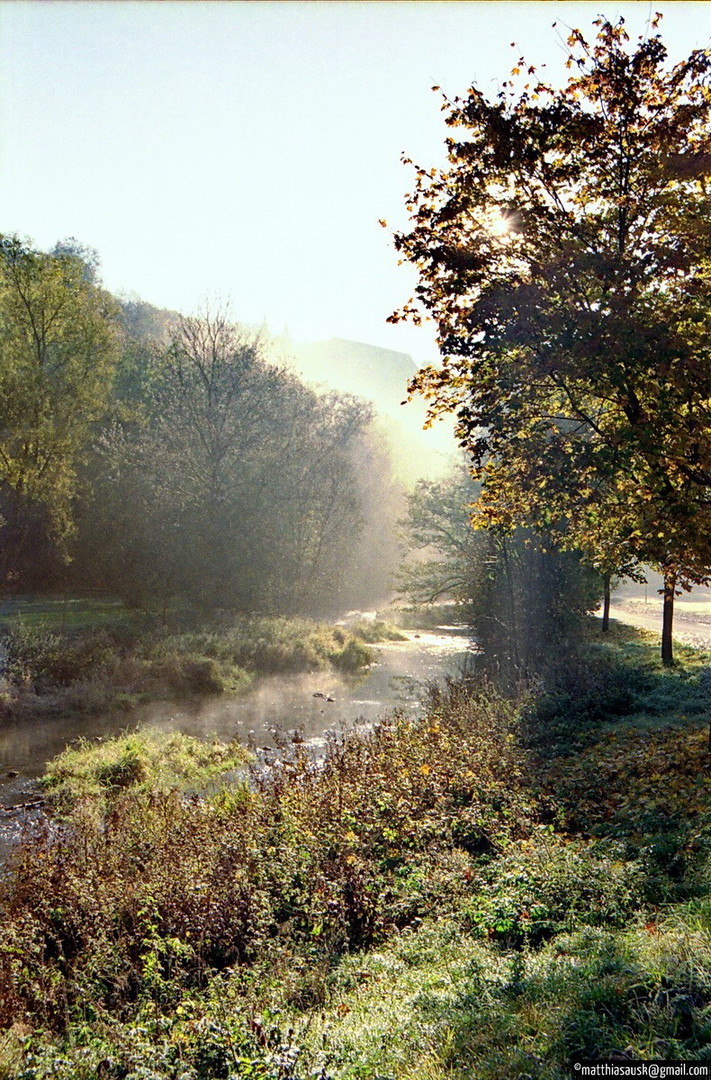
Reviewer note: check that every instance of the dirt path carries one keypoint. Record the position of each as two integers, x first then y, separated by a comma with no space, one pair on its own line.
692,622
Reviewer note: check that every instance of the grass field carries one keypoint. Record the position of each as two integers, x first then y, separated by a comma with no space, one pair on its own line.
71,613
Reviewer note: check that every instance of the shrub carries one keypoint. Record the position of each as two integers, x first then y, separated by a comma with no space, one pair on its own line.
30,652
546,885
354,656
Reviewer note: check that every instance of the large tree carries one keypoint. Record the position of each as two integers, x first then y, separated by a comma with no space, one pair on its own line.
564,256
234,485
57,354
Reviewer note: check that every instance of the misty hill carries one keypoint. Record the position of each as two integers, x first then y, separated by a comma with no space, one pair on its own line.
381,376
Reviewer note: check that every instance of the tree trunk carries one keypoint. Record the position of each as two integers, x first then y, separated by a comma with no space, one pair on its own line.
606,605
513,630
668,617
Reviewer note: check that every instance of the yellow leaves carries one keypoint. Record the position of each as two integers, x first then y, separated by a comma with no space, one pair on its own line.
425,770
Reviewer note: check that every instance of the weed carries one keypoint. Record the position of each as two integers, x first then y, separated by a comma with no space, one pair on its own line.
105,667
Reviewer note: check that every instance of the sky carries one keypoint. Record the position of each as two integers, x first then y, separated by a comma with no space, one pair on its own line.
246,151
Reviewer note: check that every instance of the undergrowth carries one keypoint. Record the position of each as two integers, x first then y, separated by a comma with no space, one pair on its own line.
150,762
495,890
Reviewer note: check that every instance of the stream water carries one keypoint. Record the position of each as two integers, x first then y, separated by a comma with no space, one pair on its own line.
312,703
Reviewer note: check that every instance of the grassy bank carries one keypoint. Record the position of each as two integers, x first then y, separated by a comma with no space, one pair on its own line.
497,890
90,662
97,772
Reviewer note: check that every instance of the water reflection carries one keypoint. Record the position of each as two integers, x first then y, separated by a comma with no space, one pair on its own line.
286,702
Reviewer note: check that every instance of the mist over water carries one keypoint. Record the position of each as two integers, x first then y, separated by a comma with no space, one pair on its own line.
276,703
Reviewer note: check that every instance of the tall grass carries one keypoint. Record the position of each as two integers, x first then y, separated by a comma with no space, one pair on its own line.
44,669
141,761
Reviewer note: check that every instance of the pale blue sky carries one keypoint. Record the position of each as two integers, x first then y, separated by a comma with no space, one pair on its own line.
248,149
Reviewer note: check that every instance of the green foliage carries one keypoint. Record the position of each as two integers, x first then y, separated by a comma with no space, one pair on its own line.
58,348
438,528
546,885
461,1008
30,652
354,656
140,761
375,631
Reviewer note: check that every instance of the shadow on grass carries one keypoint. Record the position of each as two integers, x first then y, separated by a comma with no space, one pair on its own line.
590,996
618,678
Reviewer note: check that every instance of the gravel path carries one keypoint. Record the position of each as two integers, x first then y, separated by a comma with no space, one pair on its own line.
693,628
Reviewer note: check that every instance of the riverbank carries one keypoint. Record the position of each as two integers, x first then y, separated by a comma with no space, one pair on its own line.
309,703
116,666
495,889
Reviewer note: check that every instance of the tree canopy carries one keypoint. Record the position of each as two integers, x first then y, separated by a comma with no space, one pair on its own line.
233,485
58,346
564,255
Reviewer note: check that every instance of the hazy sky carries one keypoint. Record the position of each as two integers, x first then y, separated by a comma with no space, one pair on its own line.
249,149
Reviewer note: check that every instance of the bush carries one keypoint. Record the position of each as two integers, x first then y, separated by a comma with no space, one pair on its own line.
354,656
40,658
31,652
547,885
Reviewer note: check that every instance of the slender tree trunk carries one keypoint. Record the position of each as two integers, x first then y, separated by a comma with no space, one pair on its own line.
606,605
14,537
513,630
668,617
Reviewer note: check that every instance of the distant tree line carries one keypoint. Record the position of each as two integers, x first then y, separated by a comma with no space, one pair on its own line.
161,457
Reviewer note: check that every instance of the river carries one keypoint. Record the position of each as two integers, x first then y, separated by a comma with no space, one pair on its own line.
312,703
